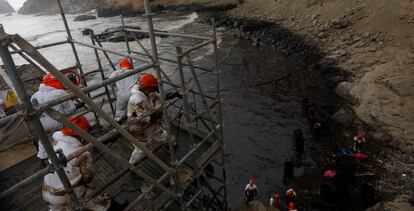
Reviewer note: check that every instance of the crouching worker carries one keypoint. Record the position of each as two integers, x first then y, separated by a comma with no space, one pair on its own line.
50,89
144,100
124,89
79,171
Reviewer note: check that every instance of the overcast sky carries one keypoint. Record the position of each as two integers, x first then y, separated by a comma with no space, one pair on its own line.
16,3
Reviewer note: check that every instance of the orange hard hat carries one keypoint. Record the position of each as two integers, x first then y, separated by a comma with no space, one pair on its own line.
125,64
79,121
251,181
290,192
291,206
50,80
276,197
359,135
147,80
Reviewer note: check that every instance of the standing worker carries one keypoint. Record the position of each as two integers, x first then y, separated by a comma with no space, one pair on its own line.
250,191
144,100
50,89
79,171
124,88
290,196
359,140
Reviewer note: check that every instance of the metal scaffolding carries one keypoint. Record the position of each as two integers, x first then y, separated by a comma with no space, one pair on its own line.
189,188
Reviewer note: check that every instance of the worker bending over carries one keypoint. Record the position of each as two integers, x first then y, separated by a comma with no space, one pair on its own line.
144,100
275,201
359,141
124,88
79,171
50,89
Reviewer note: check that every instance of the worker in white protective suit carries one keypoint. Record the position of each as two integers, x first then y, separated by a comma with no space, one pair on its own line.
50,89
124,89
144,100
79,172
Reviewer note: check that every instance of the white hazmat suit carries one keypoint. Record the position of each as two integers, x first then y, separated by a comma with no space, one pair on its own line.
124,92
140,105
79,172
44,95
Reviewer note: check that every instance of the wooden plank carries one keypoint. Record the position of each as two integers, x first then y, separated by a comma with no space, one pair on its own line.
164,198
207,154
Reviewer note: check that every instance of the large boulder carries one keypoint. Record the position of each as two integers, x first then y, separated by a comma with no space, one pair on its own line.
119,36
85,18
5,7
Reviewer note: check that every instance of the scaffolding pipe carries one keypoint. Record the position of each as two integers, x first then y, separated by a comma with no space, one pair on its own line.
190,90
196,47
34,120
219,109
24,183
106,55
198,85
167,33
126,40
148,54
111,51
194,198
139,198
198,145
75,53
25,57
100,69
171,61
42,46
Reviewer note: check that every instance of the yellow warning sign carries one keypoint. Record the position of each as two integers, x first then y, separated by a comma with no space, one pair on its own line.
11,99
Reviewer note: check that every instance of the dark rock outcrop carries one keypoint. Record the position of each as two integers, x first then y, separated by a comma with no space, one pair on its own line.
85,18
5,7
51,6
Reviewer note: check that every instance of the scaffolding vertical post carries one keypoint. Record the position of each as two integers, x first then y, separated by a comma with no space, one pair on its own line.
105,54
155,59
98,60
148,14
126,40
34,120
75,53
219,107
186,106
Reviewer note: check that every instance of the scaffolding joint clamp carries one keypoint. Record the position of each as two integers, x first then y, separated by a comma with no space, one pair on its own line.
61,157
62,161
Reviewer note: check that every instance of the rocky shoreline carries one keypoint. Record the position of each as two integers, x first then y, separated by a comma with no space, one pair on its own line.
388,171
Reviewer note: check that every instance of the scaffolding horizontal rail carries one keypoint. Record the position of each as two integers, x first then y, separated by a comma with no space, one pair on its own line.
44,46
168,34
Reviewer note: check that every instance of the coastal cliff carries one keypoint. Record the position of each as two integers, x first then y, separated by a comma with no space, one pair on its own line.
5,7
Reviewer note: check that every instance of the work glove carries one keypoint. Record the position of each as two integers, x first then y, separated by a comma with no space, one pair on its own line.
155,116
172,95
73,79
79,104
